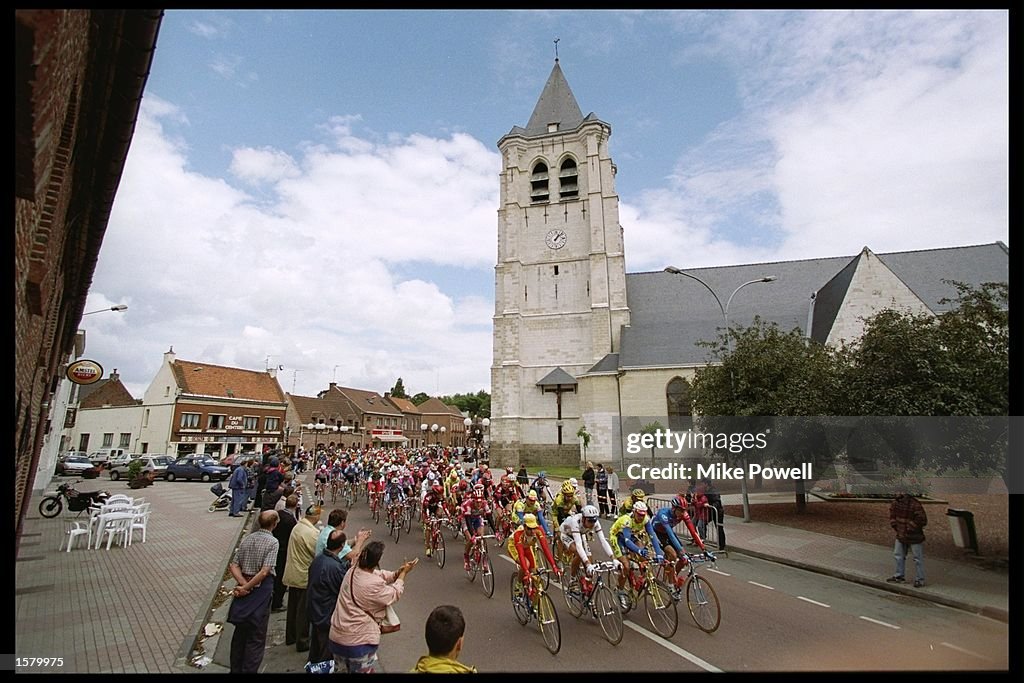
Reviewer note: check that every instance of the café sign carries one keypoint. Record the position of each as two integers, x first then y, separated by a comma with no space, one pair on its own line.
85,372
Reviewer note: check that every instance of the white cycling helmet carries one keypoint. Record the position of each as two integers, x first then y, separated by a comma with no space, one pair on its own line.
590,512
639,507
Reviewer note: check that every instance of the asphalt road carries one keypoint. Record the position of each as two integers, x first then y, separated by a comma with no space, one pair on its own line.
774,618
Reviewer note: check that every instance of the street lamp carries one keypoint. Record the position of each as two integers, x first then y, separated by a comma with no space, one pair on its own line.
728,347
425,428
443,430
434,429
119,307
319,428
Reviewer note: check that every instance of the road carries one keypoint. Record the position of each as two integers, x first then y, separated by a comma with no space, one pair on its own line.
774,618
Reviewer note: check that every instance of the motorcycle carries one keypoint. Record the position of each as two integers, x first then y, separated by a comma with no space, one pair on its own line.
223,501
53,504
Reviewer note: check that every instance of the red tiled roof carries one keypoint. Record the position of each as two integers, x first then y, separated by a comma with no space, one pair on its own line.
404,404
368,401
215,380
110,392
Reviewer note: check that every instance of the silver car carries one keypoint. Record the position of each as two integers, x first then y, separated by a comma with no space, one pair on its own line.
157,464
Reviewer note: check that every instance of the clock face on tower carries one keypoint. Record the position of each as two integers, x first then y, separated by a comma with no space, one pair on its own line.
555,239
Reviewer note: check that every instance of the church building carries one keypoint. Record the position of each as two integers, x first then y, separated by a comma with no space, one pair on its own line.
579,343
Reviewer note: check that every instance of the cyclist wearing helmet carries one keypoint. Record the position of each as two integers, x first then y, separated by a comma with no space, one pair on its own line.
531,506
432,507
577,527
474,510
565,501
629,536
540,485
663,520
634,496
522,542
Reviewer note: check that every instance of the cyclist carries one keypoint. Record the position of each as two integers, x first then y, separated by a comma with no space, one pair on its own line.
351,472
432,508
663,520
474,509
393,495
530,506
572,532
634,496
521,544
565,501
320,483
540,485
629,535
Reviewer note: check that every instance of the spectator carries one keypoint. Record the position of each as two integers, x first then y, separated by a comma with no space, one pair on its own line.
290,483
362,603
325,576
301,546
252,478
335,520
589,482
908,519
288,517
601,483
444,632
523,479
273,477
715,502
613,492
272,498
253,569
238,483
701,513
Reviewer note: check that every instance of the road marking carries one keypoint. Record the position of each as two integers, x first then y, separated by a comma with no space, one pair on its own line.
880,623
761,585
668,645
966,651
674,648
718,571
813,602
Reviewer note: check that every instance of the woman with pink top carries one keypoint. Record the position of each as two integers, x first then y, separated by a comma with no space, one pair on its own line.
366,593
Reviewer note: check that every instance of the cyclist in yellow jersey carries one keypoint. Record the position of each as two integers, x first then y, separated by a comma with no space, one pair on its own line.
634,496
533,507
629,535
522,542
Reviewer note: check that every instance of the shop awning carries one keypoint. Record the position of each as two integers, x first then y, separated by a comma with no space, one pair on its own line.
388,437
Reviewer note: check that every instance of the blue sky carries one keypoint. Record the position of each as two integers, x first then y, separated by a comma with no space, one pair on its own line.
320,187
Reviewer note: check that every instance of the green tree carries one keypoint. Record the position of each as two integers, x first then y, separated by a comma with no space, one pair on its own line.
954,365
398,391
477,405
584,435
420,398
771,382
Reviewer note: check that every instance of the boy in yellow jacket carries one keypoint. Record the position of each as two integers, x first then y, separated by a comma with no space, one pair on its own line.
444,632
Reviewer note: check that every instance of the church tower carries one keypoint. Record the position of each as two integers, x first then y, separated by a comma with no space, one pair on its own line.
560,281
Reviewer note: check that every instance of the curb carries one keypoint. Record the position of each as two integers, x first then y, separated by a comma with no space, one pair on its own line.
985,611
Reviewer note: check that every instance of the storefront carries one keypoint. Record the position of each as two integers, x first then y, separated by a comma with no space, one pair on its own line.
387,438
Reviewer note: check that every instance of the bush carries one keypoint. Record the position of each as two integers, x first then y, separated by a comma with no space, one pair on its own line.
134,468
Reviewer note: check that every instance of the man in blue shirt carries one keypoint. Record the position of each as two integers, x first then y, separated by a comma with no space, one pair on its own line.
325,575
239,485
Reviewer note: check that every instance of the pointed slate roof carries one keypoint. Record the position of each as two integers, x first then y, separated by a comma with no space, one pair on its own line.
610,363
829,300
556,377
106,392
556,105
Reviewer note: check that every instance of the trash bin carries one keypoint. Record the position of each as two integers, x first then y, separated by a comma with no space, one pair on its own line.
961,523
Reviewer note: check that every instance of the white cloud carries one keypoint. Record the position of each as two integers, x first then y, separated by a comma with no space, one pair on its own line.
262,165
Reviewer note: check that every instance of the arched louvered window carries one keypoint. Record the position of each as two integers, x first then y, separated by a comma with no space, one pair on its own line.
539,183
568,180
680,408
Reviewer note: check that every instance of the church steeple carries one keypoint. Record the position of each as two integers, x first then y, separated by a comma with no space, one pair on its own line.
556,106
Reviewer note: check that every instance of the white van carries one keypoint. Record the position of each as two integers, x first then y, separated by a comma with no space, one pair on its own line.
105,454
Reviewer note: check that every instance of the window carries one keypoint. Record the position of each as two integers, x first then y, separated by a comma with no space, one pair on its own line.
145,418
190,420
556,270
271,424
250,422
539,191
568,180
680,409
108,440
216,422
126,440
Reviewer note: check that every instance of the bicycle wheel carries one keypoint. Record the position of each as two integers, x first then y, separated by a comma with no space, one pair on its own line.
661,609
396,528
702,602
455,529
543,569
519,606
487,574
376,513
51,506
572,593
439,549
407,513
608,613
474,564
547,620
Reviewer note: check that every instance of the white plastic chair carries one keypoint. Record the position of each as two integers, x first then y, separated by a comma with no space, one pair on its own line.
117,527
140,521
117,498
72,530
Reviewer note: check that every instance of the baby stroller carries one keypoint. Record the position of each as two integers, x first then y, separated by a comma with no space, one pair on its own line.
223,501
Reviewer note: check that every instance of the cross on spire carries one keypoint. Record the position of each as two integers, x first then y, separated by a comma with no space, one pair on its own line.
556,49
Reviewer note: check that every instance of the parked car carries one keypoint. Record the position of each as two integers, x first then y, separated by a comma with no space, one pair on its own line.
122,459
157,464
103,455
73,465
196,467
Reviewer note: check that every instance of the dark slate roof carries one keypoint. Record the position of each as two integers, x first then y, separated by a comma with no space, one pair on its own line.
558,105
555,377
610,363
670,314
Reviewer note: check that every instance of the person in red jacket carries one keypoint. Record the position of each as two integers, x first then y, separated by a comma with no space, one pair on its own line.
908,519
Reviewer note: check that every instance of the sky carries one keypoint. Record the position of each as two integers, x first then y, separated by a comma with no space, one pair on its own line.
317,191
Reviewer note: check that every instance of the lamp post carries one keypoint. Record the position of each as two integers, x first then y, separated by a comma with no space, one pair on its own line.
434,428
728,347
118,307
319,428
425,428
441,439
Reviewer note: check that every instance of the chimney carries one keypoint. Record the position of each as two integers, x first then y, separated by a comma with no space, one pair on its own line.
169,355
114,377
333,386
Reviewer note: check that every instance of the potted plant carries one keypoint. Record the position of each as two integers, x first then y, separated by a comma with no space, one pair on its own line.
136,478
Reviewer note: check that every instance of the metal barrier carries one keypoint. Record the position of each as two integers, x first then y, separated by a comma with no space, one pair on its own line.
711,535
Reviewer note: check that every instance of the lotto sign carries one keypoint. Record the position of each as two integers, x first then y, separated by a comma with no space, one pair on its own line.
85,372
